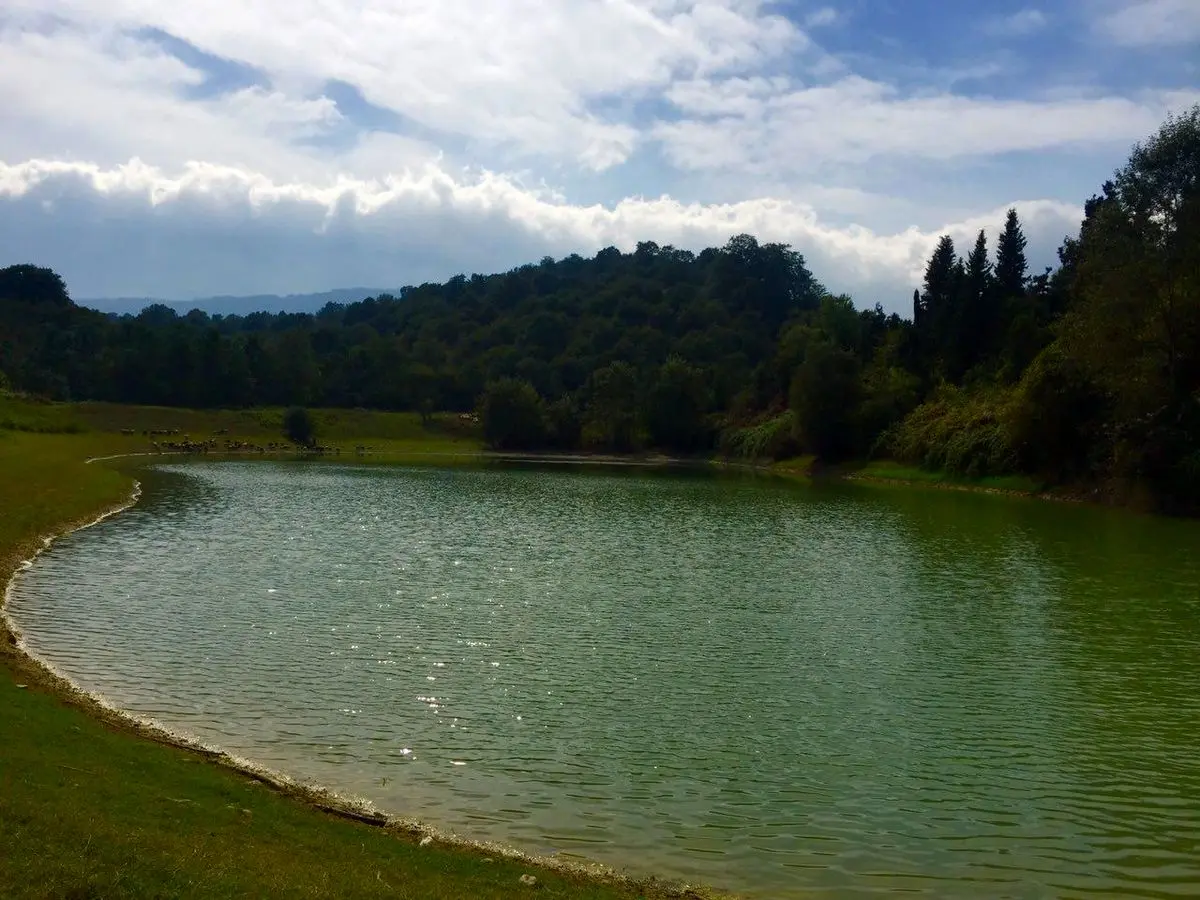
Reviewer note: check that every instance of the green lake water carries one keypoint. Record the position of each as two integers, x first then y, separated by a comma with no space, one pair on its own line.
781,690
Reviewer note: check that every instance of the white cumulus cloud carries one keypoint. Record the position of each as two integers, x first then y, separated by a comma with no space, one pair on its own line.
1153,22
193,231
235,146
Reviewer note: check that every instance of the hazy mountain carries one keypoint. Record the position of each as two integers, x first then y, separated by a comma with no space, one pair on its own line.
229,306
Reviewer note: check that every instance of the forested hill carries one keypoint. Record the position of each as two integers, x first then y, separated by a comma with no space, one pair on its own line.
1089,373
437,345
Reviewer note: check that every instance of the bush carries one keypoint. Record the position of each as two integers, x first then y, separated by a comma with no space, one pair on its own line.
956,432
773,438
511,414
299,427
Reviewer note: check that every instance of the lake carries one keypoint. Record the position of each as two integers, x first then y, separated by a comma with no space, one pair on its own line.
773,688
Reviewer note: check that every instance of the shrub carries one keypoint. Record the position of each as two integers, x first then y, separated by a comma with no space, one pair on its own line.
968,434
511,414
772,438
299,427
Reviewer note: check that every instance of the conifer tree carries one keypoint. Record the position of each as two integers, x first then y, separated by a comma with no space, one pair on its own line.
1011,264
979,317
937,300
939,278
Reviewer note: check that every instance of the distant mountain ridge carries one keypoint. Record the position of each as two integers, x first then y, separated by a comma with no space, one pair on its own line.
228,305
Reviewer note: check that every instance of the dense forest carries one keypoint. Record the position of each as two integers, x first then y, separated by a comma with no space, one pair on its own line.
1085,374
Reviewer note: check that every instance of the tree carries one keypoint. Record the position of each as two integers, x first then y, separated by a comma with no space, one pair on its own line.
34,286
837,319
676,408
612,407
978,312
564,426
296,363
1011,265
1134,319
510,413
937,301
1057,417
825,397
299,427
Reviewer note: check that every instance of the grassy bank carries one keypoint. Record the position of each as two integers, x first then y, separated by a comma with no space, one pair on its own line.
89,809
898,473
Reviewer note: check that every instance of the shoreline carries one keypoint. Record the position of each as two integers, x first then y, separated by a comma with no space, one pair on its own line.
59,685
814,471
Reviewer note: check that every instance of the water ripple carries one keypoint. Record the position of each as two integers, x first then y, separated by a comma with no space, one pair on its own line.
778,690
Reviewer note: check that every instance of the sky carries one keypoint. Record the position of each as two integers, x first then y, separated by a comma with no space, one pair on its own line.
174,150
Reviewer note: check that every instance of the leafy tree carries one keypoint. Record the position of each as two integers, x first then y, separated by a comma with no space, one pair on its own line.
1134,323
34,286
889,393
1057,418
825,397
676,408
511,415
839,321
564,424
299,427
612,408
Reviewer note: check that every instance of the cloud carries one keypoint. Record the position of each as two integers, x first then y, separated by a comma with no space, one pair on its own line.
759,122
517,74
822,18
510,84
135,230
1153,22
105,96
301,145
1018,24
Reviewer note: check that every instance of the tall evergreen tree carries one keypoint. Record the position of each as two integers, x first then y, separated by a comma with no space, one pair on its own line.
937,300
939,278
979,269
979,317
1011,264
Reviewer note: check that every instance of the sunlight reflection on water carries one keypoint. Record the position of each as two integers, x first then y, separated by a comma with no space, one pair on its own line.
769,688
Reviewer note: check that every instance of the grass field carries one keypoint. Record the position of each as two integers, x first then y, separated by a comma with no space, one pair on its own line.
88,809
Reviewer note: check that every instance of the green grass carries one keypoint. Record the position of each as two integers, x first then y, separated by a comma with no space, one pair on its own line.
886,470
795,467
23,414
89,809
86,811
